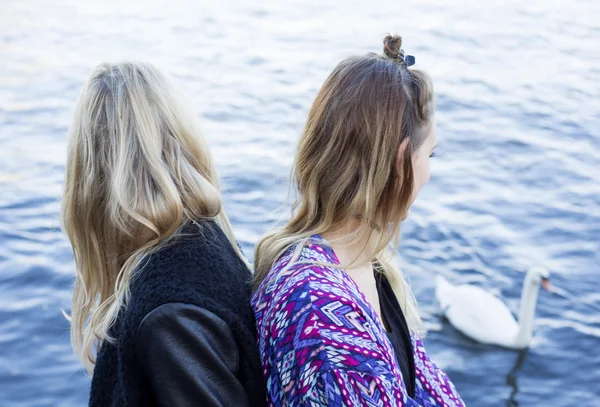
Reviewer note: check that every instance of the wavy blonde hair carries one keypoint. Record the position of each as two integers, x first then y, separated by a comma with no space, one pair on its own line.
346,165
138,169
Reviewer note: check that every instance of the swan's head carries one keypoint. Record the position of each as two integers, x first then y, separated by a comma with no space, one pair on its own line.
541,276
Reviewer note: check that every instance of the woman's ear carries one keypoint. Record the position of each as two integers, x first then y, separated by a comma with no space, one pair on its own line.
400,157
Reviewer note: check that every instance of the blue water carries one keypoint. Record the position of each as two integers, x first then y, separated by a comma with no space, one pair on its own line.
516,181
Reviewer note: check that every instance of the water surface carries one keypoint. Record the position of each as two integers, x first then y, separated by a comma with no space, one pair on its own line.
516,181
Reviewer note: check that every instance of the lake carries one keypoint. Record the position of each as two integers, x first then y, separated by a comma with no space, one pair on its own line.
516,180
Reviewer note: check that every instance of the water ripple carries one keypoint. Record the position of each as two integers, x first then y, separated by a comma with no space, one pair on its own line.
516,181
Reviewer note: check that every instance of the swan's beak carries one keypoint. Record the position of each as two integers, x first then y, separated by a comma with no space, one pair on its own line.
546,284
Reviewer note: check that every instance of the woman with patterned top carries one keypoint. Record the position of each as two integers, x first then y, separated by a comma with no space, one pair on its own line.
337,324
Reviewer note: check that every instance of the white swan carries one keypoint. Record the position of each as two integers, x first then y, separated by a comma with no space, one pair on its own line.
485,318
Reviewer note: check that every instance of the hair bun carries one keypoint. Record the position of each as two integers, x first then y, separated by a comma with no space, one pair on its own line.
392,45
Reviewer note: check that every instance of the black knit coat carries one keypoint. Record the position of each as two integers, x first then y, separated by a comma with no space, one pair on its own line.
199,268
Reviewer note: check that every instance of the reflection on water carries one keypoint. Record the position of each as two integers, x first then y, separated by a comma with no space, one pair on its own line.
515,183
511,378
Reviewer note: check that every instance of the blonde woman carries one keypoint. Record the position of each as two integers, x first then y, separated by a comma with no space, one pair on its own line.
337,324
161,290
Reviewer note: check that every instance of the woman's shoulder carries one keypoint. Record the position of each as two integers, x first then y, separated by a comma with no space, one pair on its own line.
309,276
198,246
312,265
198,266
196,239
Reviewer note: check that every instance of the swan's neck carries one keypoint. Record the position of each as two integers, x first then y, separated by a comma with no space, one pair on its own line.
527,312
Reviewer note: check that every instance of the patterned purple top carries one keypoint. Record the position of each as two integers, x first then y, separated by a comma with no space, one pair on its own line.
322,344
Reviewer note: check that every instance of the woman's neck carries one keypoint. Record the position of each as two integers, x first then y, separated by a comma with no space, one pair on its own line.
354,250
355,253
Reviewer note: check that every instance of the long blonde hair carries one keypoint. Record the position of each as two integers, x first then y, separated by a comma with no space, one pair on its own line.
138,169
346,163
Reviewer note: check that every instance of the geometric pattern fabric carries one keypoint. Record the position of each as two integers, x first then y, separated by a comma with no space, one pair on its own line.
322,344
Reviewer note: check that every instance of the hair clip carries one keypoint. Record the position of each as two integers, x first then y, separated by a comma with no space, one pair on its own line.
409,60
